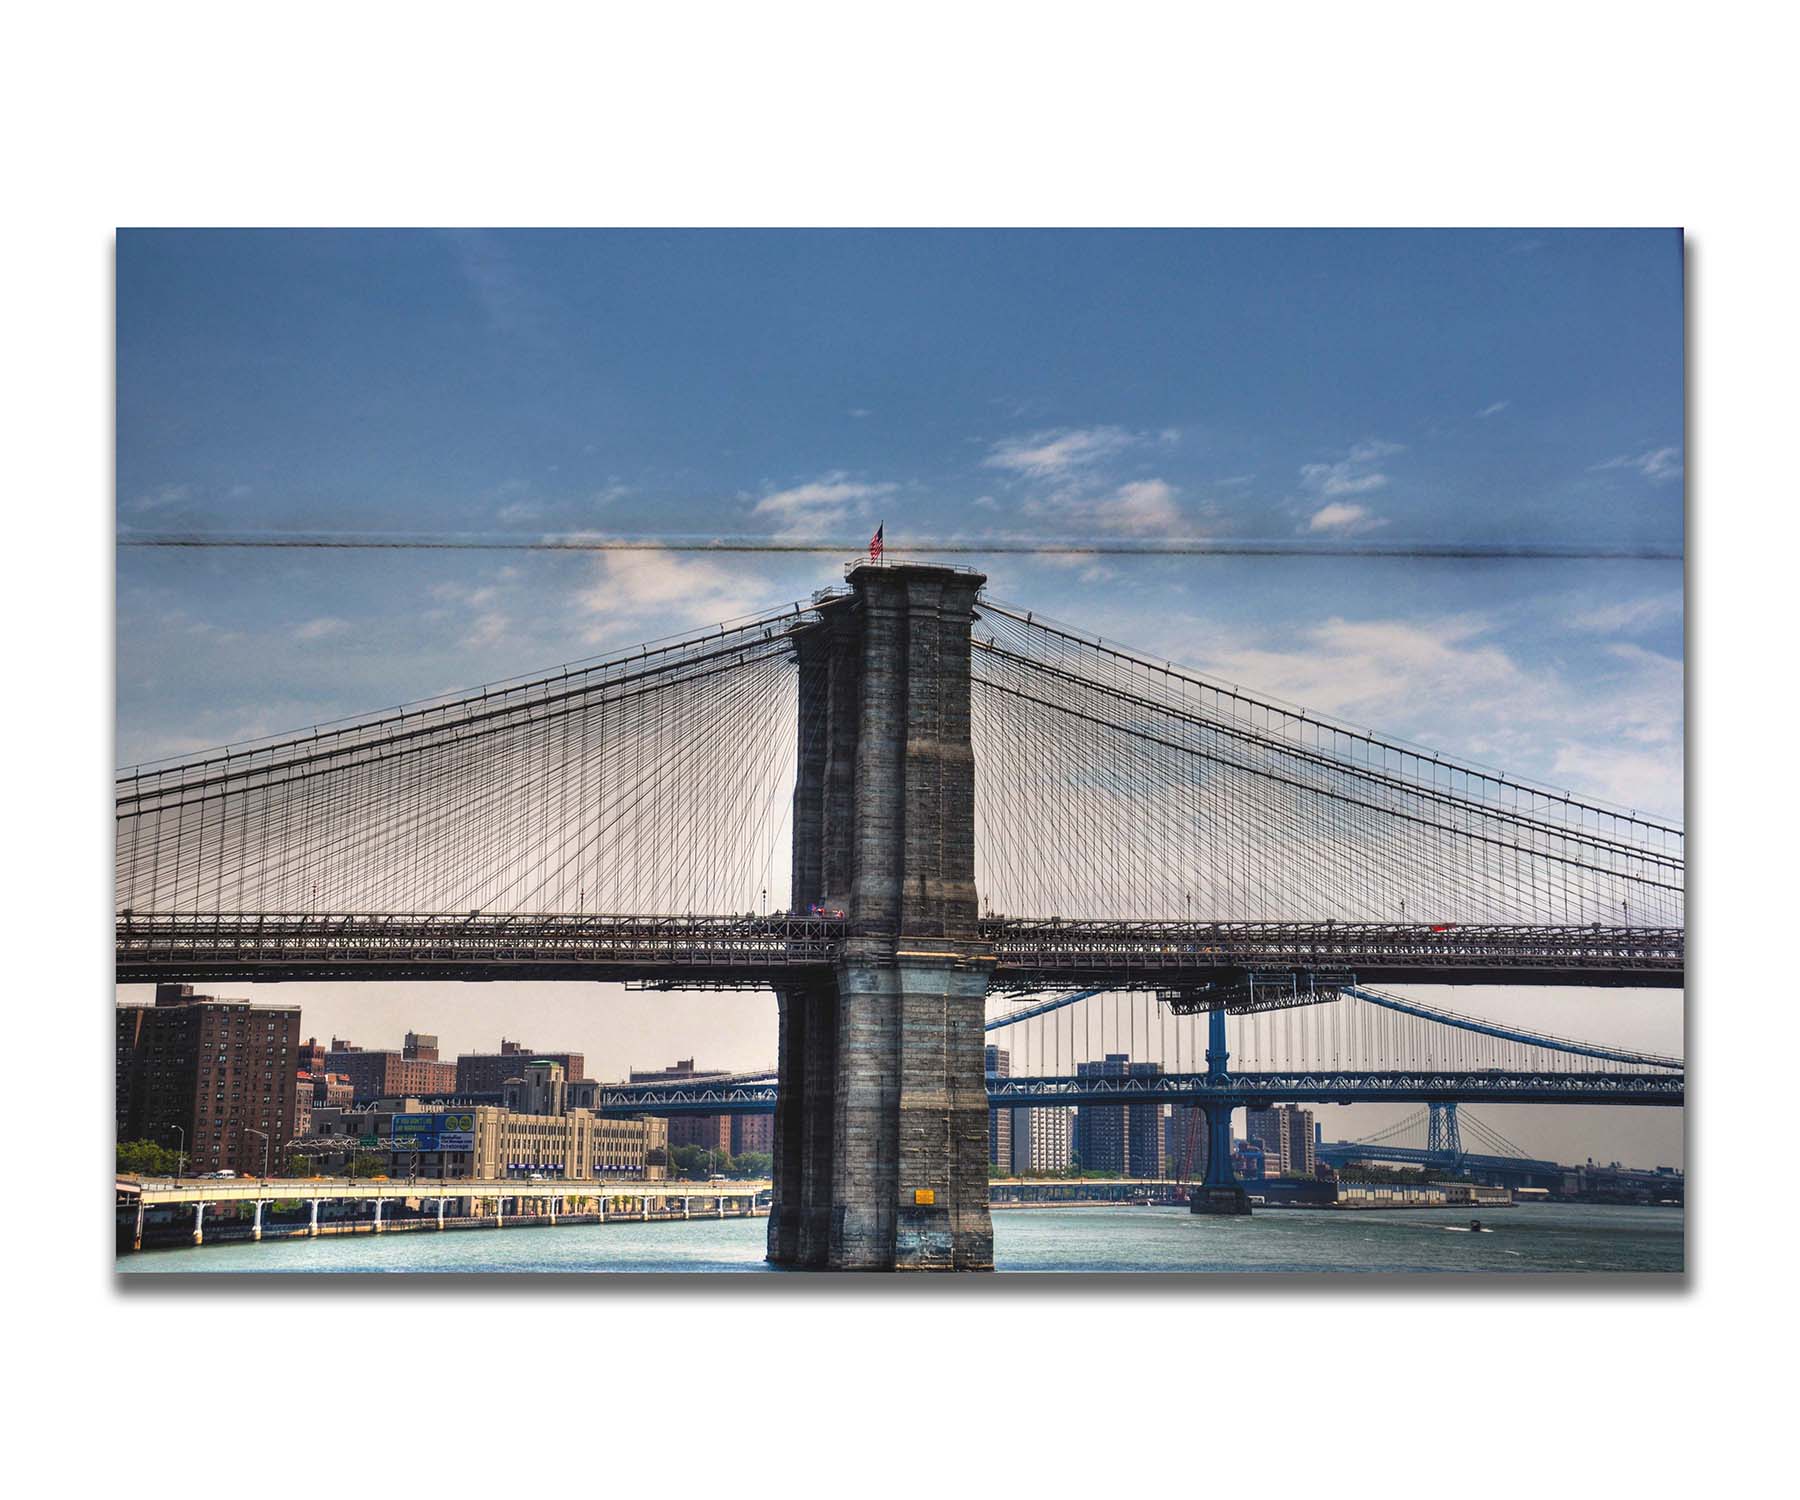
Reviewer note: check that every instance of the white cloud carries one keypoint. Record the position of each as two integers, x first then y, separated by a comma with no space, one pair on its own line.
162,497
1081,494
1642,780
1661,678
488,629
806,510
1057,452
1613,730
659,587
1142,507
1628,616
519,511
1493,410
1656,464
468,595
179,621
321,629
1353,474
1086,566
1342,519
1366,669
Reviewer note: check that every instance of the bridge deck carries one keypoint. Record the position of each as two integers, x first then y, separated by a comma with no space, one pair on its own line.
1317,1086
751,951
1340,1153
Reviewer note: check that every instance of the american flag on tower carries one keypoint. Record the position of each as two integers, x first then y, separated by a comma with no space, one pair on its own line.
875,541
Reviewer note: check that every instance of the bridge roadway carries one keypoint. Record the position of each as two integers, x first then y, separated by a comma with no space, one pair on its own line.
750,951
1318,1086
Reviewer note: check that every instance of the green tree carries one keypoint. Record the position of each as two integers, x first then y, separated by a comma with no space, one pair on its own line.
752,1164
147,1159
368,1164
301,1166
695,1163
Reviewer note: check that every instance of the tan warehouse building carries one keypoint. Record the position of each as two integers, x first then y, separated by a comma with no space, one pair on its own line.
487,1142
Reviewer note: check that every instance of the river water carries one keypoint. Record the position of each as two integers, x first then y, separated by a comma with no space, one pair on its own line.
1533,1237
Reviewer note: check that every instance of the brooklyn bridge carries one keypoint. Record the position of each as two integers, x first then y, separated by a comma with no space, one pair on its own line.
917,813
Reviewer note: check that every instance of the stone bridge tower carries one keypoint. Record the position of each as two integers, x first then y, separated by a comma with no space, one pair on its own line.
881,1130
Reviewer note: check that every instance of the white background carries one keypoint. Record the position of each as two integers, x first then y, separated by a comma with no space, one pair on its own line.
1527,114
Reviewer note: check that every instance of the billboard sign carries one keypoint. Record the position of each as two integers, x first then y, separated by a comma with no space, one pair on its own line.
454,1131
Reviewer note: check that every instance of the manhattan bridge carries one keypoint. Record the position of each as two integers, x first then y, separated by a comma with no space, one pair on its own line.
918,814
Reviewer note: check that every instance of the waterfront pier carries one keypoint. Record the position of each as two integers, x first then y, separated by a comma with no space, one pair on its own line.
369,1207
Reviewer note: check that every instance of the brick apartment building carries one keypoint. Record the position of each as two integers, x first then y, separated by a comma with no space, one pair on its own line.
753,1133
212,1076
487,1072
318,1089
1124,1138
413,1071
1288,1139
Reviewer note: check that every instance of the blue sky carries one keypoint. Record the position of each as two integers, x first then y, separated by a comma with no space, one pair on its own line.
483,381
1371,388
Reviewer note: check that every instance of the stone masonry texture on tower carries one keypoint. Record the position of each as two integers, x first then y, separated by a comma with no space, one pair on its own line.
881,1131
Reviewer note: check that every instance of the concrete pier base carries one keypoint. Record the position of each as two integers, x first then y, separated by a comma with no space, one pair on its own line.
881,1153
1220,1193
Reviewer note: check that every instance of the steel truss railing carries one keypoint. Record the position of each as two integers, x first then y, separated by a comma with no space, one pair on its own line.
689,1099
1029,954
1330,1086
345,946
1040,953
1397,1086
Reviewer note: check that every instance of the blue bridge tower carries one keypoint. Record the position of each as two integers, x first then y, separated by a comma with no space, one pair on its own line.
1220,1192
